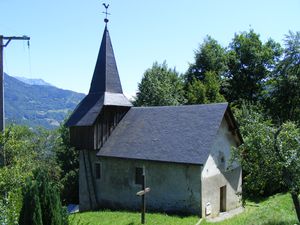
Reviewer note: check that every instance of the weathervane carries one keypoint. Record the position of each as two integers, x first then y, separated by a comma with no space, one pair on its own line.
106,13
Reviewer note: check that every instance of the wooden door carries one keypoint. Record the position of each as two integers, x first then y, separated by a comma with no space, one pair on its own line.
223,199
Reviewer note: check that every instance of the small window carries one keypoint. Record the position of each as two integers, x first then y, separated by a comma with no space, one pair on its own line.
139,175
98,170
222,161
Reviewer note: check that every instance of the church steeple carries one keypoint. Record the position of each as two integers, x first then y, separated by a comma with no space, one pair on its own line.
105,89
106,77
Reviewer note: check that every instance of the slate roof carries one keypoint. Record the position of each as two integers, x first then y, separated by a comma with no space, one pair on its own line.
105,87
89,108
106,77
181,134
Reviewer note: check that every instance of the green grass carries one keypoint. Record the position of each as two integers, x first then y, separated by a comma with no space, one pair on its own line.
128,218
276,210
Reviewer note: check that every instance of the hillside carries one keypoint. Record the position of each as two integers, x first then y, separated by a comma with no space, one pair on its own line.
33,81
37,105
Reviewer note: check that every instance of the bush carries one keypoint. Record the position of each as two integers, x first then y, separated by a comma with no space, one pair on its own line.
41,204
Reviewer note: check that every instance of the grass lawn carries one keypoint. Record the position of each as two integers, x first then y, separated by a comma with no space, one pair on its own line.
128,218
276,210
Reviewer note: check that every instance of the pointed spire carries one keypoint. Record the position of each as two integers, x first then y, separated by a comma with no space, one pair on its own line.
106,77
105,90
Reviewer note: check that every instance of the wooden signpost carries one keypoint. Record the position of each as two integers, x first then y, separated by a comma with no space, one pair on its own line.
142,193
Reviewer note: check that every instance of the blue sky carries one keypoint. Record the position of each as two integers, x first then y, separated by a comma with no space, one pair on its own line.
66,35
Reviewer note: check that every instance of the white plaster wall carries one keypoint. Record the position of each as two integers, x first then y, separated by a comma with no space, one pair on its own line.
216,173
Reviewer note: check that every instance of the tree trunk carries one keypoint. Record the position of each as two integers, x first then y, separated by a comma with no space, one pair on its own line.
296,204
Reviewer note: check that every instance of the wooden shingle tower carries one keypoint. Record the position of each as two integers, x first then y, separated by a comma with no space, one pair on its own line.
94,119
99,112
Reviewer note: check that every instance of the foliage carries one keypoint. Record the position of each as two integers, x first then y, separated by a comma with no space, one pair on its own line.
206,91
249,65
261,176
41,204
287,153
283,100
68,159
210,57
23,150
270,157
203,78
195,92
31,209
160,86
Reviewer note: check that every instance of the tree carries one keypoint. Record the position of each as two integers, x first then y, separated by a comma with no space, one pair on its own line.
17,150
203,92
284,98
210,57
270,157
24,151
160,86
204,77
41,203
260,176
195,93
67,158
31,209
212,87
287,155
250,63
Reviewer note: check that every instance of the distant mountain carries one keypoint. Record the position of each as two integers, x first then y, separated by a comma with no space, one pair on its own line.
33,81
37,105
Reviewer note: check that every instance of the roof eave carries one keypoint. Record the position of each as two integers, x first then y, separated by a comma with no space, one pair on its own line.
150,160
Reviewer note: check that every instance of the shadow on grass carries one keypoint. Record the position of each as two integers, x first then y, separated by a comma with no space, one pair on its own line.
253,201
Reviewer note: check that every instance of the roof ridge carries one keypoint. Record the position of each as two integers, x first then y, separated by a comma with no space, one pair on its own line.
180,106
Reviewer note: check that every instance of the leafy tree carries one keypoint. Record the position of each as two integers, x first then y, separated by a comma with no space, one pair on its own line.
160,86
24,150
17,150
203,78
249,65
210,57
68,160
206,91
260,176
284,99
212,87
270,157
287,155
195,93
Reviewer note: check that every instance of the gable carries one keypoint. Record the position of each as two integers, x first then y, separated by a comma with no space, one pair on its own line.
180,134
218,160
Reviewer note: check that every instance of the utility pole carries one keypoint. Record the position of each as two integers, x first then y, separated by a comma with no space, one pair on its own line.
2,46
2,117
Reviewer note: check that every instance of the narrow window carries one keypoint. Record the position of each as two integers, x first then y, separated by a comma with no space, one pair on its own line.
98,170
138,175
